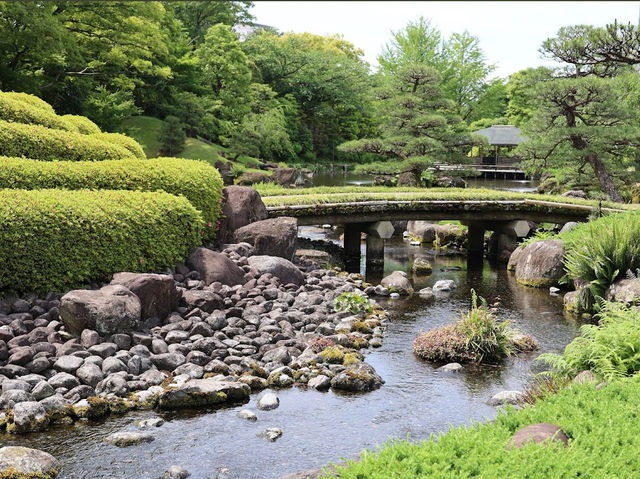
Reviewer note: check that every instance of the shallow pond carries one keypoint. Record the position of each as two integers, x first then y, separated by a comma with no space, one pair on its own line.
320,427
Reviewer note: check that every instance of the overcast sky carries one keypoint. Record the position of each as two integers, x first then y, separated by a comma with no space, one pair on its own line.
510,33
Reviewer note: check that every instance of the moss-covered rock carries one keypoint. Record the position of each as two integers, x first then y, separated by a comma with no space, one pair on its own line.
24,463
202,392
540,264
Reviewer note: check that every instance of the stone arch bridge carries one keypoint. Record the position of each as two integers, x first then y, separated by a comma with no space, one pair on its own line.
374,217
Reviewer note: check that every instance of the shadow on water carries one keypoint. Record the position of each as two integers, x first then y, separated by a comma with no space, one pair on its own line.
319,427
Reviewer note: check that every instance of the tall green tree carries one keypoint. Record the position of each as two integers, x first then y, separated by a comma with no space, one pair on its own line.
418,43
197,17
522,96
587,115
172,136
419,126
225,70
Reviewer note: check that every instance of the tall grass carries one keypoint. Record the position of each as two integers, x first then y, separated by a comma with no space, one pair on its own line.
611,349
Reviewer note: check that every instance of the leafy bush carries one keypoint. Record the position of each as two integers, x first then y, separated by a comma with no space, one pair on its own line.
601,252
200,183
29,99
34,141
82,124
601,442
611,349
19,111
476,336
56,240
124,141
352,302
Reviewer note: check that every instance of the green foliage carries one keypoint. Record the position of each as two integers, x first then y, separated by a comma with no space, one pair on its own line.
197,181
108,109
601,252
172,136
57,240
81,123
601,443
30,99
34,141
124,141
332,355
352,302
540,235
19,111
264,135
610,349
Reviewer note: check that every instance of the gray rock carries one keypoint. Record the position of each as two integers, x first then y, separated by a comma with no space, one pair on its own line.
63,380
444,285
568,226
14,396
268,402
205,300
28,462
538,433
451,368
157,292
68,364
104,350
320,382
168,361
281,268
13,384
42,390
506,397
124,438
90,374
271,433
203,392
624,291
29,416
192,370
279,355
357,377
540,264
113,365
242,206
176,472
247,414
214,267
270,237
423,231
398,283
427,294
89,338
150,423
109,310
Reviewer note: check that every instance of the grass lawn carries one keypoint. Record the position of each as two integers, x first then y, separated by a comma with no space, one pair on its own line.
145,130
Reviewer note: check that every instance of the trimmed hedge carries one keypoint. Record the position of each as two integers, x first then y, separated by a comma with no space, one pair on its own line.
124,141
30,99
52,240
199,182
35,141
82,124
19,111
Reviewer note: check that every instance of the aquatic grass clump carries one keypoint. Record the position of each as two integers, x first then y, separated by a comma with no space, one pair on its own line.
611,349
477,336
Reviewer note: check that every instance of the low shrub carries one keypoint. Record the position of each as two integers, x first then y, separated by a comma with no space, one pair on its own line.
30,99
52,240
611,350
476,336
352,302
124,141
200,183
82,124
47,144
19,111
597,422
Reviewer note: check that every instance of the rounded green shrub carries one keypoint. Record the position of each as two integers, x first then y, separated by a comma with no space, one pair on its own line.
53,240
199,182
82,124
30,99
35,141
19,111
124,141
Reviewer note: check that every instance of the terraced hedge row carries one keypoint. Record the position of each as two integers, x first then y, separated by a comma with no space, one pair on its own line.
124,141
56,241
47,144
199,182
82,124
19,111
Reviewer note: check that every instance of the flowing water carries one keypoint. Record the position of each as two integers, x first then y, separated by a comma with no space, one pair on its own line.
320,427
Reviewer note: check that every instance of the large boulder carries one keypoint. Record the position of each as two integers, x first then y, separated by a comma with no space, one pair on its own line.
272,237
284,176
408,179
157,292
242,205
214,266
398,282
109,310
249,178
513,259
17,461
203,392
624,291
358,377
284,270
540,264
422,231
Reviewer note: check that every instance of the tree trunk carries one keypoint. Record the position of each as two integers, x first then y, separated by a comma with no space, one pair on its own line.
606,183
